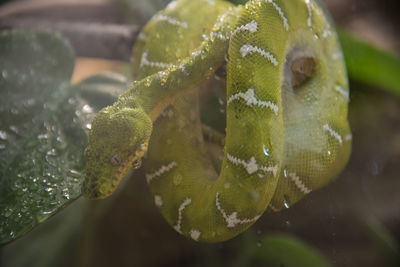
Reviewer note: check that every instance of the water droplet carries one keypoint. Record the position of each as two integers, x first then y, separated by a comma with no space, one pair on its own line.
137,163
266,151
329,153
261,175
8,212
60,143
286,202
43,136
14,129
74,174
66,195
4,73
285,173
46,212
52,152
87,109
3,135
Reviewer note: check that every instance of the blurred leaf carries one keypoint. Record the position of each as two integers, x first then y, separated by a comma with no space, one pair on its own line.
238,2
41,130
281,250
387,245
103,89
53,242
369,64
139,11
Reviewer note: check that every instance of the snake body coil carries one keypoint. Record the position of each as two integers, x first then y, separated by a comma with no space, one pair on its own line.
286,131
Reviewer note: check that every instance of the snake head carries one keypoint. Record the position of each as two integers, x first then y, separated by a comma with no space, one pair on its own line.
118,139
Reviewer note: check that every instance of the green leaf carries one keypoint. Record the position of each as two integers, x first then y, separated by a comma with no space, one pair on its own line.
103,89
385,242
281,250
41,130
238,2
369,64
139,11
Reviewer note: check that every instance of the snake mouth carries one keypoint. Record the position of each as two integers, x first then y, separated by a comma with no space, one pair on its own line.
133,161
93,189
89,188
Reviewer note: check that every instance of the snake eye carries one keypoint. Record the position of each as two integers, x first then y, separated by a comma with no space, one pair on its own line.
116,160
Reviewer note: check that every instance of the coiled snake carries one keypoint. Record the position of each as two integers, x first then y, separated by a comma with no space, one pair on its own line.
286,104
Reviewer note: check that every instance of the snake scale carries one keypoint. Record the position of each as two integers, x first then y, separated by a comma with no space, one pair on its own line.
287,97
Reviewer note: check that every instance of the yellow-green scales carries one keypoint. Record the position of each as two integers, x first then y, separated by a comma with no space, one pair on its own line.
287,95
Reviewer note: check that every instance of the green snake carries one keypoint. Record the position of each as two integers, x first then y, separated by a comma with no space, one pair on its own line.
287,97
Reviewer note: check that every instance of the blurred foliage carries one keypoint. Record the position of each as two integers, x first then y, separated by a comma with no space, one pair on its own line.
370,65
384,241
284,250
41,130
102,90
139,12
52,243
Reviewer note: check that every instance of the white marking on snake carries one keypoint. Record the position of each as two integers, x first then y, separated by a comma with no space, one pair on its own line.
300,185
273,208
182,68
159,172
309,19
335,134
195,234
218,35
232,220
145,62
158,201
251,27
342,91
280,11
185,202
251,166
197,53
211,2
250,99
171,20
250,49
171,5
